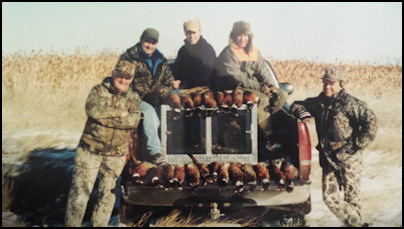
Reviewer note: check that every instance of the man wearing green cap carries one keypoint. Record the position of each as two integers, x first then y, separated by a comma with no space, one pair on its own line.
113,113
345,126
153,80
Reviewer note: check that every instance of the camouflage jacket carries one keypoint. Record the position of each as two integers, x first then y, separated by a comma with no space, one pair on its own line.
106,132
150,84
342,122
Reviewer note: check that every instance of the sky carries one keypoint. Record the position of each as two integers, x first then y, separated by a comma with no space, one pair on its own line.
325,32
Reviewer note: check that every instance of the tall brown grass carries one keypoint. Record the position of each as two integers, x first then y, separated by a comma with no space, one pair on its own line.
47,91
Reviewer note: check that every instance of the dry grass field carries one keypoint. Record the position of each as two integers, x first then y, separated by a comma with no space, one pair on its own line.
47,92
44,94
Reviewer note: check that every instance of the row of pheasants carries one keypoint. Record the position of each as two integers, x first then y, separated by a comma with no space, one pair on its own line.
227,102
194,174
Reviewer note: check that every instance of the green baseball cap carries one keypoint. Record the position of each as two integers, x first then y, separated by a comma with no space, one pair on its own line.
150,33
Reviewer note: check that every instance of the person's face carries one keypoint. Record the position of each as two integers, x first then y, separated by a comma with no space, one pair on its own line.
121,81
330,88
193,37
148,45
242,40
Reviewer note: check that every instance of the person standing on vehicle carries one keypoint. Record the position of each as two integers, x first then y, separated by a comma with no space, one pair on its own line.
345,126
240,63
195,62
153,80
113,113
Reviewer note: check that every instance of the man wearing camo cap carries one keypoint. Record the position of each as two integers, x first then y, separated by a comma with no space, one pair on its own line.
345,126
113,113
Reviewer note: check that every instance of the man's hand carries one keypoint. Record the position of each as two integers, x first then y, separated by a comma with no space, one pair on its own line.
176,84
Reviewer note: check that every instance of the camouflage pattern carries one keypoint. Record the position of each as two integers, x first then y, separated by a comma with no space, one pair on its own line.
126,67
333,75
347,208
342,123
106,132
150,88
345,126
86,168
267,106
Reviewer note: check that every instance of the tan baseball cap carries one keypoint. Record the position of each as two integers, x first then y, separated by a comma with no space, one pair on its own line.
193,25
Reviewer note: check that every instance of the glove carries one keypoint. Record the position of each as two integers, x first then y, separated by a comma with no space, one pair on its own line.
304,115
266,89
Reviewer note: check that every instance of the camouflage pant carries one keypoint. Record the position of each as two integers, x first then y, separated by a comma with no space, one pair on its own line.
347,208
265,108
86,168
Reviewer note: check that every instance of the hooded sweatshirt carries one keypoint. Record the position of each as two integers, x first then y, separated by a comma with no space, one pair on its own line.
195,64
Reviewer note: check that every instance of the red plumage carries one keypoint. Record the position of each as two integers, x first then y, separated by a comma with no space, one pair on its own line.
290,172
236,175
223,174
179,175
220,101
262,175
209,100
237,99
153,176
214,170
140,170
228,99
175,102
193,175
168,176
276,173
203,169
197,98
250,177
250,99
188,104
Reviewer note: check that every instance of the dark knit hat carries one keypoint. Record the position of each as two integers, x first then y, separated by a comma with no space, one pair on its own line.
150,33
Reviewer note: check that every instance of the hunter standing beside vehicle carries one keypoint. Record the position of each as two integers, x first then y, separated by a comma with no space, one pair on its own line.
153,80
195,62
113,113
240,63
345,126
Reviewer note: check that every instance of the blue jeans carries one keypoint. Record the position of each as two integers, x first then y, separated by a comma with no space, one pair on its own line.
151,124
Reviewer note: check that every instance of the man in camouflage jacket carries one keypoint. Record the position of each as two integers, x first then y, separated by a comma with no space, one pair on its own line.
113,113
345,126
153,80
